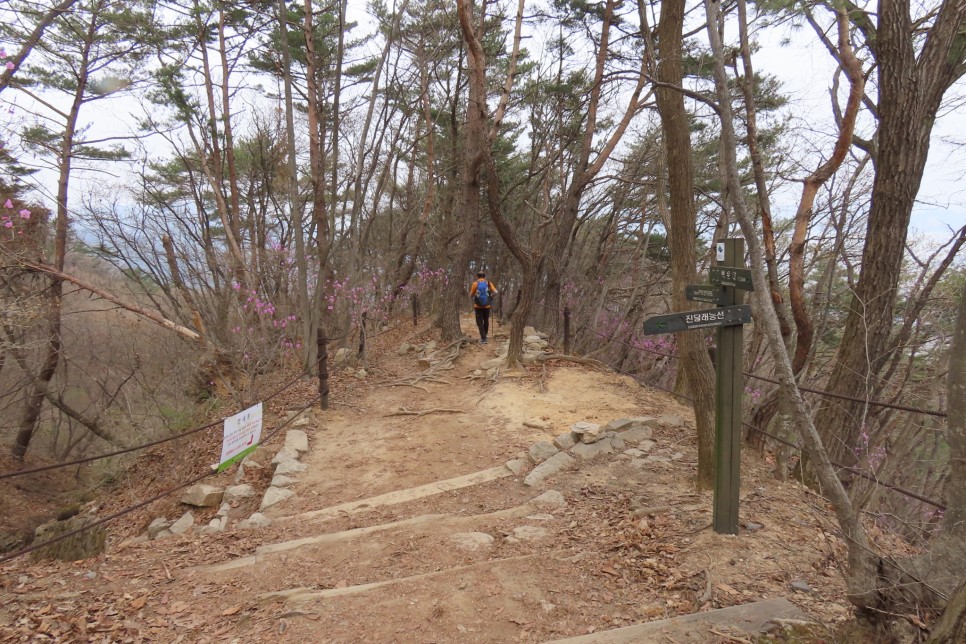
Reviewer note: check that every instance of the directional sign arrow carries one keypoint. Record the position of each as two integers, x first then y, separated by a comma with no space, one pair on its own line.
704,293
675,322
728,276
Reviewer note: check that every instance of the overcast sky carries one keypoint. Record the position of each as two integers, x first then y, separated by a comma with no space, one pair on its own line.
802,64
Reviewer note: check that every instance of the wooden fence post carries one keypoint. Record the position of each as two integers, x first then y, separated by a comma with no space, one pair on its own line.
730,386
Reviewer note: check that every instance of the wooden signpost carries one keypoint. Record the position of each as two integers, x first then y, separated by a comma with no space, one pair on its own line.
704,293
730,280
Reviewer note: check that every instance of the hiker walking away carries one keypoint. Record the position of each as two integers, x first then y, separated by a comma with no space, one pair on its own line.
482,293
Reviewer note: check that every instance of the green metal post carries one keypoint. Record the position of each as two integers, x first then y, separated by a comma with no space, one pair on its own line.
730,385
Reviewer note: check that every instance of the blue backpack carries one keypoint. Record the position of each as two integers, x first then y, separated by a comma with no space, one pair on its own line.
482,297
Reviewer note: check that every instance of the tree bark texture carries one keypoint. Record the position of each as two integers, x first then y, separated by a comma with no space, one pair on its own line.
862,577
910,93
473,157
675,122
951,628
803,215
53,296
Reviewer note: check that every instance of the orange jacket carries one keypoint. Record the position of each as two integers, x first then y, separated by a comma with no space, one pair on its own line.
493,292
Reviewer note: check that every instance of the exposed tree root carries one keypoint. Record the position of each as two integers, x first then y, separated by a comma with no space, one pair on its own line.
436,410
544,357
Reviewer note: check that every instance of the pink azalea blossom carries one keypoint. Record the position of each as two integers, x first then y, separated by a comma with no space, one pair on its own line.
10,65
8,204
25,214
8,224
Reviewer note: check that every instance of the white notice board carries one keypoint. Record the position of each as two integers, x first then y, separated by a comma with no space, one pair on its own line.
242,433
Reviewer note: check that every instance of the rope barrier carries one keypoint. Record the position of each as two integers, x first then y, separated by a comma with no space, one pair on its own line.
9,557
865,401
877,403
315,399
19,553
135,448
857,472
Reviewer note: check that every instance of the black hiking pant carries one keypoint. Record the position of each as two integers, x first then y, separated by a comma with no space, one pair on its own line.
483,322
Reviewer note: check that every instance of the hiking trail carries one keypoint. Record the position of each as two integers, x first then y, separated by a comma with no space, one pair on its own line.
408,526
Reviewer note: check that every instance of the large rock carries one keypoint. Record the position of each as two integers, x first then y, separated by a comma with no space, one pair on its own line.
280,480
296,439
202,495
551,499
588,432
471,541
285,454
217,524
539,452
83,545
158,526
341,356
404,348
588,451
622,424
238,492
528,533
556,463
565,441
616,441
183,524
671,420
10,541
529,358
257,520
287,468
491,364
529,331
637,435
274,495
518,466
261,457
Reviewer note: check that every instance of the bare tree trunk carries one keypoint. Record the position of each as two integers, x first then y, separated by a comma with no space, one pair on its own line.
910,94
585,170
52,296
803,216
695,361
951,628
862,576
473,157
754,151
295,210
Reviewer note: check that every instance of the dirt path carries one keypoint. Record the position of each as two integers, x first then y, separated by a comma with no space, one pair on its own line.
411,529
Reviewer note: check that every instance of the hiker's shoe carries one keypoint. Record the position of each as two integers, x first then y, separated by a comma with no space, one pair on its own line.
483,341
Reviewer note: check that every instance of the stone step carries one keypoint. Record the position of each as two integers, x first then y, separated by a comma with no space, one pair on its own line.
328,537
440,522
403,496
746,619
311,594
